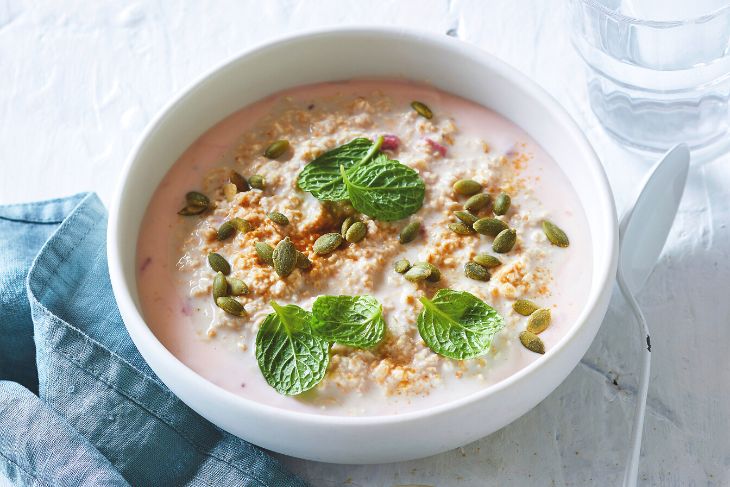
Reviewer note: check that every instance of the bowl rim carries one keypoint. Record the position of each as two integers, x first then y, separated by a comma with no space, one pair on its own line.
143,336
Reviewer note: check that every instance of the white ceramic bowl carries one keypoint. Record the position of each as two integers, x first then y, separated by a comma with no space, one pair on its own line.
330,55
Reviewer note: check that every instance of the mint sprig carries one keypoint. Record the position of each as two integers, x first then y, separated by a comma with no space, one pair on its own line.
376,185
384,189
321,177
291,358
457,324
292,345
356,321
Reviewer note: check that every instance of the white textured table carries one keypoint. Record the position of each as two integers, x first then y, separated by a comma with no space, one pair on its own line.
81,79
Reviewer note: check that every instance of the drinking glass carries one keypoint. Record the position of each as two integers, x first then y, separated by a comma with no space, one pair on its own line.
658,70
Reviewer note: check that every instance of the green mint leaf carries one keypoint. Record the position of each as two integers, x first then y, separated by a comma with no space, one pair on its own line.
291,358
457,324
356,321
384,189
322,178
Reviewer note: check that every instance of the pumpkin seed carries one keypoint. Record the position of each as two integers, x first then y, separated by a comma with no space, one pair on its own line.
327,243
422,109
303,261
466,187
409,232
401,266
194,198
197,203
435,273
257,181
504,242
284,257
243,226
239,181
356,232
502,204
226,230
490,226
218,263
487,260
525,307
461,228
237,287
472,270
555,234
532,342
417,273
220,286
230,306
339,209
346,225
278,218
477,202
539,321
276,149
466,217
265,252
192,210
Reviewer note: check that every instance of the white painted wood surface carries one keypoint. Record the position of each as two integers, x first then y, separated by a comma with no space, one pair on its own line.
79,81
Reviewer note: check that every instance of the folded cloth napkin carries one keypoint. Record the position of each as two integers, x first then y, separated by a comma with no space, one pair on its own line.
78,404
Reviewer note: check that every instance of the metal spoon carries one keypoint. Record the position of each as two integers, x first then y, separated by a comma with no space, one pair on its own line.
642,233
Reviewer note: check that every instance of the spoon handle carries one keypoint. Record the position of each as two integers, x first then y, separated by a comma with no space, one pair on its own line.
631,472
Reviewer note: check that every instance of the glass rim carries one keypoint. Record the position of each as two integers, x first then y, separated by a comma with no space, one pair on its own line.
659,24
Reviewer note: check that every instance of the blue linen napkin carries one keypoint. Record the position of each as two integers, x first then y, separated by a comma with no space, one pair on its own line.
78,404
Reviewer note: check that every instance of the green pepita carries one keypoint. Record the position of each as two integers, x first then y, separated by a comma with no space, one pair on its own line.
220,286
239,181
284,257
477,202
472,270
339,209
237,287
490,226
502,203
435,273
467,187
487,260
346,225
356,232
525,307
504,242
243,226
422,109
197,203
461,228
409,232
257,181
555,234
417,273
539,321
532,342
466,217
265,252
226,231
192,210
218,263
276,149
278,218
303,262
401,266
327,243
230,306
194,198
